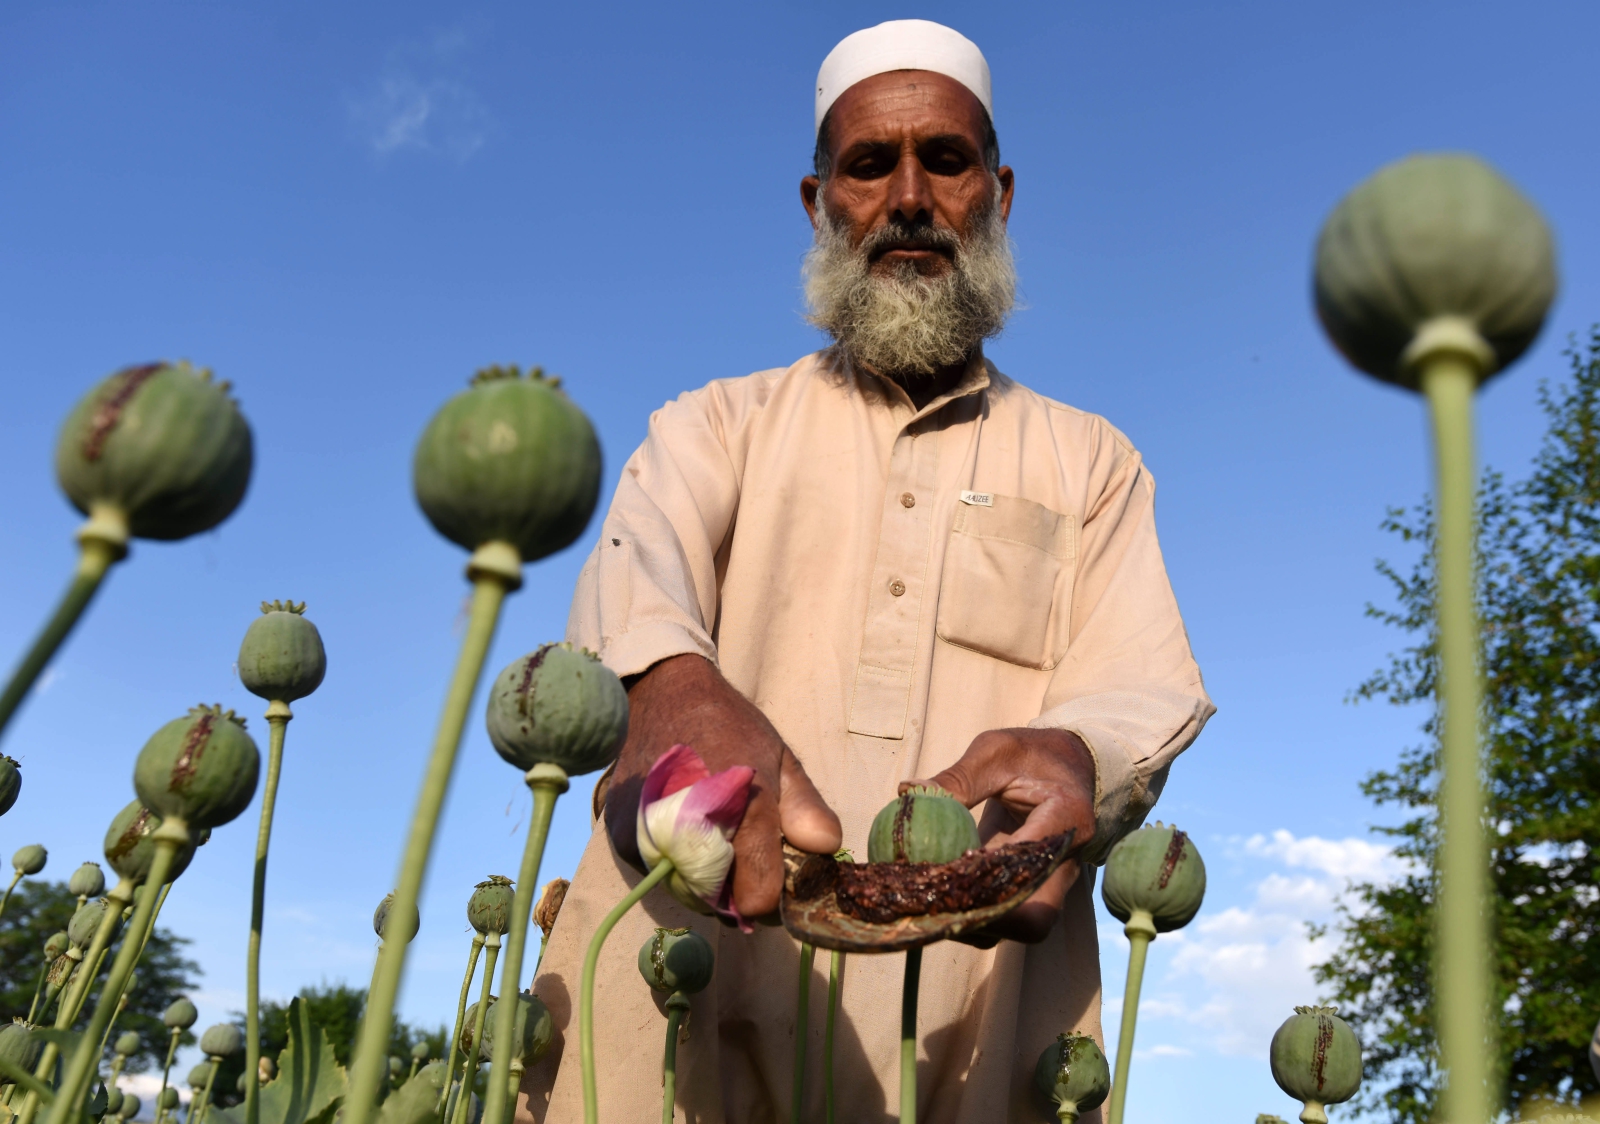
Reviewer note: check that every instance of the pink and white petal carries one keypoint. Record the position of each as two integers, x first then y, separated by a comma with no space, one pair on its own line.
676,769
721,798
657,824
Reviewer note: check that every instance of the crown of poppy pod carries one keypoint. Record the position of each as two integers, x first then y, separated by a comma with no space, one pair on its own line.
489,907
281,658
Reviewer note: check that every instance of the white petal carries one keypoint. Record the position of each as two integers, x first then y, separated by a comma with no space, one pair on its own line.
655,824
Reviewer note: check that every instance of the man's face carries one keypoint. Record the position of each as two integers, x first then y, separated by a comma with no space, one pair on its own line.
907,150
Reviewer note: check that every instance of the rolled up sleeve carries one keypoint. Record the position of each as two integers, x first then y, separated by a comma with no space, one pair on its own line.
1128,685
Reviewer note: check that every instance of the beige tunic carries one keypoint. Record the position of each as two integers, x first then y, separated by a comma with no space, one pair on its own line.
885,583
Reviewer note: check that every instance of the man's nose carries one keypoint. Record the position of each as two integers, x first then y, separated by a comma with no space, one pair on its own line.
910,190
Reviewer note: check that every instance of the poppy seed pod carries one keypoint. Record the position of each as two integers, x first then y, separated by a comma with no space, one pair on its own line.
57,945
509,460
1316,1059
531,1033
113,1101
130,850
420,1051
1072,1073
549,907
1157,870
19,1045
489,907
469,1020
10,782
161,445
128,1043
30,859
924,824
396,1066
88,881
180,1015
676,960
199,1075
85,922
168,1099
561,706
200,770
380,918
221,1041
282,658
129,1108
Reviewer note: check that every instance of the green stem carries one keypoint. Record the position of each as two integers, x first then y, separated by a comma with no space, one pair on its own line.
413,1072
205,1094
37,1090
38,987
166,1070
802,1031
1313,1113
95,556
469,1065
1140,931
908,1036
168,838
7,898
677,1007
547,782
461,1017
1461,925
371,1061
1067,1112
278,716
591,1109
835,982
121,894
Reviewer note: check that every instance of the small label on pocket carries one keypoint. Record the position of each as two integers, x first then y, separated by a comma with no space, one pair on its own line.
978,499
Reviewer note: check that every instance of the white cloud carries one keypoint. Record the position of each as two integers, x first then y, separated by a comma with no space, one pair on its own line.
1222,985
418,104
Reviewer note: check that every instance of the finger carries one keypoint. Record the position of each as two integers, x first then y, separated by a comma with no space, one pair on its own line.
807,821
978,775
758,855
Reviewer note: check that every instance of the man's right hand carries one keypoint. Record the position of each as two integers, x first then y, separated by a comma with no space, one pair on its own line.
685,699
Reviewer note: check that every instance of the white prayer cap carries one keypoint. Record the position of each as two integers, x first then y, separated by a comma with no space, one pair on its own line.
902,45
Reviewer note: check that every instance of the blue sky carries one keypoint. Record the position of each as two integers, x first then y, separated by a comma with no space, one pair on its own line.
347,209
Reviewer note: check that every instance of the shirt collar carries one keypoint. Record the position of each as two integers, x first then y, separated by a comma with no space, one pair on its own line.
974,379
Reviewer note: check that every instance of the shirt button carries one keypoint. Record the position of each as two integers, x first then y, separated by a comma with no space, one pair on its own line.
897,587
907,500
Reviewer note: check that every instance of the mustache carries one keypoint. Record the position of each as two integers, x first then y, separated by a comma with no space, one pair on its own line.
899,234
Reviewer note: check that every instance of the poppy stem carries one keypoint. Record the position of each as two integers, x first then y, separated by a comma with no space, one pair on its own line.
677,1008
908,1036
802,1031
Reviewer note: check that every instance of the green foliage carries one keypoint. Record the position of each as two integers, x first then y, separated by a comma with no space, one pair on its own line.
310,1085
40,908
336,1009
1539,599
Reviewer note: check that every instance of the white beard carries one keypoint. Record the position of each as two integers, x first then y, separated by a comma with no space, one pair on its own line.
906,324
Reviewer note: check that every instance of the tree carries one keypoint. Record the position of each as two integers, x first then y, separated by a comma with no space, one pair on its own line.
1539,599
39,909
337,1009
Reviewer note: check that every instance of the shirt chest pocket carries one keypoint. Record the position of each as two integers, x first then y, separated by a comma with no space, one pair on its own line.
1007,584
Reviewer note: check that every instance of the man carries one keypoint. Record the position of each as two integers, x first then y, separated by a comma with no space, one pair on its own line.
884,563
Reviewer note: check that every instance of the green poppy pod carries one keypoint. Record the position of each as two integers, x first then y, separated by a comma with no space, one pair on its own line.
167,1099
161,445
924,824
179,1015
221,1041
1072,1073
489,907
1158,870
238,1085
85,922
95,1107
129,1108
129,849
531,1032
676,960
200,770
10,782
468,1021
19,1045
88,881
1316,1059
1433,236
199,1075
30,859
281,658
57,945
420,1051
380,918
113,1101
560,706
128,1043
509,460
396,1066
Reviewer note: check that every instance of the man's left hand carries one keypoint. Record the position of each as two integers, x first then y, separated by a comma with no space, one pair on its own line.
1038,783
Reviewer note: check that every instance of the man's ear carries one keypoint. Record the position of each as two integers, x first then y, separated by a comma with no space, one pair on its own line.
1008,187
809,187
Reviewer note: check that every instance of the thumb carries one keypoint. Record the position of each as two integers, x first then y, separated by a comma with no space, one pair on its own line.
803,816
